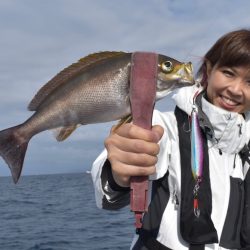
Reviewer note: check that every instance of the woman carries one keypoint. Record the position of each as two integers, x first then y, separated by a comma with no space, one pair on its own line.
191,207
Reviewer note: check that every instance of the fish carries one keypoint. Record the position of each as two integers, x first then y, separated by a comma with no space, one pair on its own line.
95,89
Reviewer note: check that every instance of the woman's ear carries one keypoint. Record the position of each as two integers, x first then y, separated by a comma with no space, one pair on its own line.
208,67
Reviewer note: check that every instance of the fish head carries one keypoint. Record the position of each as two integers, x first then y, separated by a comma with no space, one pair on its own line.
172,74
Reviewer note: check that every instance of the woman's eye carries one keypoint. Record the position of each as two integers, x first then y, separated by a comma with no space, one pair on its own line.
228,73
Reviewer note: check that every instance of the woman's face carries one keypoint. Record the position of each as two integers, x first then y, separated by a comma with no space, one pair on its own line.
229,88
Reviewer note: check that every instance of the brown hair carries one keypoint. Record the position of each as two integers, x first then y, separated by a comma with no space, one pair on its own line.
232,50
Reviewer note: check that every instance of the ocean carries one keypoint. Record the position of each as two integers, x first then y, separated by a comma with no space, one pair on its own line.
58,212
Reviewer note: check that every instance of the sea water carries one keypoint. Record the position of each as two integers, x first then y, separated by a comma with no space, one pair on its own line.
58,212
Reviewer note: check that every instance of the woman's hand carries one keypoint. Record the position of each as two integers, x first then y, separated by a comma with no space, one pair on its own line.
132,151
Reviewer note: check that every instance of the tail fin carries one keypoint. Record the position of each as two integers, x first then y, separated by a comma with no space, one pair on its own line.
12,149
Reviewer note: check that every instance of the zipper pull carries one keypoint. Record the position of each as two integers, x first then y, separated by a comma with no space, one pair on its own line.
175,200
240,129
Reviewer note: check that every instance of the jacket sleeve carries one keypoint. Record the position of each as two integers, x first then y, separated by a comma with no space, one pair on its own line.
108,194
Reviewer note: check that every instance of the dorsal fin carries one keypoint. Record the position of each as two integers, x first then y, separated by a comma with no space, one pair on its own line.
67,74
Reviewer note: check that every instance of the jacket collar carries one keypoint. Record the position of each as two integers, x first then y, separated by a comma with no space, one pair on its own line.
227,131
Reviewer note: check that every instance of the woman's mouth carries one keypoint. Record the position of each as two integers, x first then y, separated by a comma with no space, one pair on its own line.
227,103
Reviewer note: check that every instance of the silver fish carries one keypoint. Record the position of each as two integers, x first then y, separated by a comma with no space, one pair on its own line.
93,90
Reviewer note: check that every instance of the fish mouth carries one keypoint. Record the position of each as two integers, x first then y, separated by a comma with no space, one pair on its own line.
186,73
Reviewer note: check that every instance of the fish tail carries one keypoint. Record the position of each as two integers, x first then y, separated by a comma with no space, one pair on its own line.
13,146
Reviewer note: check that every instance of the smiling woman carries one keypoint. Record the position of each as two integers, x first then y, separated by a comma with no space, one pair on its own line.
199,177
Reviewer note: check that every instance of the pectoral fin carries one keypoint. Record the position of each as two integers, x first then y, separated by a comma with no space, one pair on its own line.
63,133
124,120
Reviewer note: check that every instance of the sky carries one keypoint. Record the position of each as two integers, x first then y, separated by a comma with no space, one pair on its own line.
38,38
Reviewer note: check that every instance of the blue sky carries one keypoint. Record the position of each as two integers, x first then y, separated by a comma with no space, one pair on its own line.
40,38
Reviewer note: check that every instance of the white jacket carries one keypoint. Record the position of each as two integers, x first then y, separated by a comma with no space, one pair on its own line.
232,132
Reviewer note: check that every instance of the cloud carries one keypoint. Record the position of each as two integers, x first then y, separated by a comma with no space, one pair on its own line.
40,38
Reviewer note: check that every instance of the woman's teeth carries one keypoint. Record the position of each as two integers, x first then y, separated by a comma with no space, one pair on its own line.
229,101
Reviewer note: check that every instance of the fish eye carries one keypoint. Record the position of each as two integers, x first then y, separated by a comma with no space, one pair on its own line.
167,66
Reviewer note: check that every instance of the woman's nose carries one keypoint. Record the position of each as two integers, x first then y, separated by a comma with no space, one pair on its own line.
236,88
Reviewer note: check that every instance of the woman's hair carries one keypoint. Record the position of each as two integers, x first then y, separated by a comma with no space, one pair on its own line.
231,50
